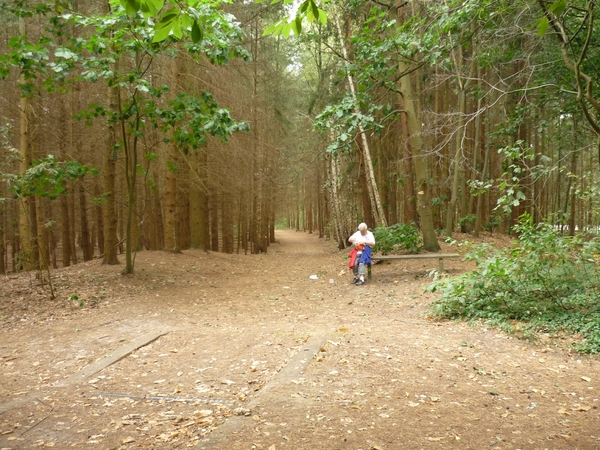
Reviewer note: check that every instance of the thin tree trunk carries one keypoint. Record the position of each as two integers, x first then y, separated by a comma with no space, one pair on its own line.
109,213
199,202
2,240
42,237
86,246
171,229
25,150
409,200
378,213
459,138
227,223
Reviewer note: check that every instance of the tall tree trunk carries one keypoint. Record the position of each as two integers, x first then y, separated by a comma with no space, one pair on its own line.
367,210
86,241
214,223
257,169
42,235
227,223
378,213
109,213
183,202
199,201
337,216
99,218
131,162
171,227
2,239
460,136
424,207
408,188
25,154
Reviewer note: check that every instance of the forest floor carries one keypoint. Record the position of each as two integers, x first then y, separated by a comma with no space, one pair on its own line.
254,354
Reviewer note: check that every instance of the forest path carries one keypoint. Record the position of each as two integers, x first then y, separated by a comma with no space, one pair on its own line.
386,376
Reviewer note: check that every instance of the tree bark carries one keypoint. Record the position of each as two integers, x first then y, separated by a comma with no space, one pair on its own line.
25,154
424,207
171,229
109,212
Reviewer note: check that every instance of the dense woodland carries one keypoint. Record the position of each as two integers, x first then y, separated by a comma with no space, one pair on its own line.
128,127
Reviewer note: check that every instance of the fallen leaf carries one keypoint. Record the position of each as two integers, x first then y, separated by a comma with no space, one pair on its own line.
588,379
413,404
581,408
128,440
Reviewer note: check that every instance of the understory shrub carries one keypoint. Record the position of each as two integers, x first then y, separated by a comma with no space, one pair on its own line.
544,282
400,236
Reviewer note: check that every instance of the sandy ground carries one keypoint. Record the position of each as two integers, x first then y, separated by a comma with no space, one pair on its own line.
253,354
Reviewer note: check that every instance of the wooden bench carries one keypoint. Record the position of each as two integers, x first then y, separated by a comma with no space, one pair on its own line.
439,256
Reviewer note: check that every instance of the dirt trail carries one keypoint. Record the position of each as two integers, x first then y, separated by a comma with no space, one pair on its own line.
258,355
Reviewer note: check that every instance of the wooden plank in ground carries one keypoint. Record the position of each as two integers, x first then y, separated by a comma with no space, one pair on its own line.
93,368
4,407
439,256
111,358
419,256
223,434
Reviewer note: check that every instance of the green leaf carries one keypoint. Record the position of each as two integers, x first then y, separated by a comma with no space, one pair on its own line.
197,33
167,18
543,26
558,7
315,10
286,30
148,9
160,34
304,6
164,26
298,25
132,7
322,17
158,4
177,31
270,29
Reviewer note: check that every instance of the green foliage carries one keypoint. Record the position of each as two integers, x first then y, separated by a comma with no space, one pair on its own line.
399,236
346,119
520,162
48,178
544,282
307,10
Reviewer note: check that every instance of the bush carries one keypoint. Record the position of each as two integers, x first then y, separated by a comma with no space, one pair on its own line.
543,283
397,237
